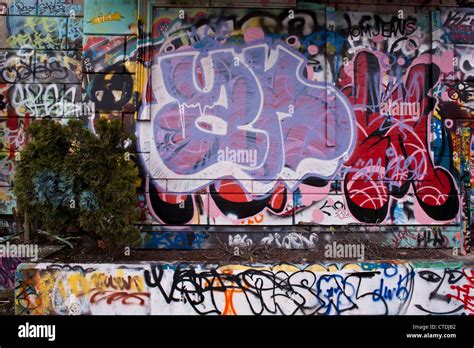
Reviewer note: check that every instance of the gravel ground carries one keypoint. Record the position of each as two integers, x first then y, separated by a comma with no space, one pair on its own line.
226,254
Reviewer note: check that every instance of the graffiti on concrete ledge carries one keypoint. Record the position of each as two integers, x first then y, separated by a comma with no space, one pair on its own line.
261,289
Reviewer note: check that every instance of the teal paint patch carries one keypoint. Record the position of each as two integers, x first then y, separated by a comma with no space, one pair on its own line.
109,17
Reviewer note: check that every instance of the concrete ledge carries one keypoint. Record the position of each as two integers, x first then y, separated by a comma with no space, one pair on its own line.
392,287
8,265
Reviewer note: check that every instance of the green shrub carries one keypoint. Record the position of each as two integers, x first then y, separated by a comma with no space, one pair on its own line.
69,179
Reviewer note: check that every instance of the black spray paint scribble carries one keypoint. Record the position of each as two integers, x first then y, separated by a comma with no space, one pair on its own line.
280,292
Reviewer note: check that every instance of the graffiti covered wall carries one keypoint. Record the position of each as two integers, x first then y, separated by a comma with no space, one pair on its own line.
264,117
40,74
323,117
60,59
283,289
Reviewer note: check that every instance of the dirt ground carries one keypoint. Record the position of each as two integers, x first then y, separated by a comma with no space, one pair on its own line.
264,254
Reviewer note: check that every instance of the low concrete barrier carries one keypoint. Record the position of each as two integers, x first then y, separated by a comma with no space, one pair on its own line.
393,288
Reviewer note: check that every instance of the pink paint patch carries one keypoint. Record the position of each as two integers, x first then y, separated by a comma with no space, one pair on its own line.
308,199
401,61
318,216
313,49
253,34
426,59
310,72
445,95
214,211
349,70
310,194
184,47
458,235
421,217
446,62
323,190
377,38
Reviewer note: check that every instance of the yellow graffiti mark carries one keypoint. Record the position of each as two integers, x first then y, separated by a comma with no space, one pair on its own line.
4,196
45,283
330,49
36,39
78,284
115,16
118,281
31,23
49,286
54,286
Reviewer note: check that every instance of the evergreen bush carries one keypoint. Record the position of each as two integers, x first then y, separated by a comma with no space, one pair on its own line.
69,179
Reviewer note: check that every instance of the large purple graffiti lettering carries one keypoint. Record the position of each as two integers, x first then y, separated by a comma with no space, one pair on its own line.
247,114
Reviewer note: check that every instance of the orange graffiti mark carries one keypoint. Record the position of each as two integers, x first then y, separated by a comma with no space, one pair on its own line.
230,290
229,303
257,219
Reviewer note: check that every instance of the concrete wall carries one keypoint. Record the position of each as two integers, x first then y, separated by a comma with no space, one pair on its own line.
315,116
417,288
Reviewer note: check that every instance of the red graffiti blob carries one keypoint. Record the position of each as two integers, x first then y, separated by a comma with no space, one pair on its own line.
465,293
392,151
